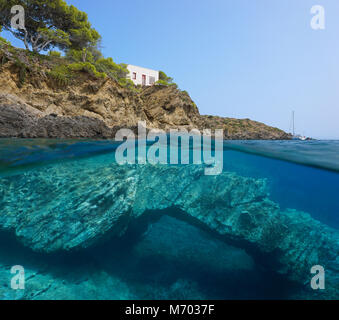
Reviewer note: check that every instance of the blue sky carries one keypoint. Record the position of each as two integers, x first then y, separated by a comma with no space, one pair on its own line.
256,59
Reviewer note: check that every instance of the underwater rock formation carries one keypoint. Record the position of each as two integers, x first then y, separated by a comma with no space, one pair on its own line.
170,260
188,246
52,209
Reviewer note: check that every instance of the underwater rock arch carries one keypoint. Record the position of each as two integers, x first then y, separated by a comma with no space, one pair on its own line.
53,209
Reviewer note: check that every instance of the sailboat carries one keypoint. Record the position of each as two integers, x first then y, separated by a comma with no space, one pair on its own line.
294,135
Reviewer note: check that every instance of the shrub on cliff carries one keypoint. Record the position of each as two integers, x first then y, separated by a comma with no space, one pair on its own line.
113,70
164,83
127,83
164,77
54,54
63,74
4,42
95,62
164,80
117,72
86,67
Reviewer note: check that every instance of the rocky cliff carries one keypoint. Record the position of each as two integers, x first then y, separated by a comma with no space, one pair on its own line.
32,105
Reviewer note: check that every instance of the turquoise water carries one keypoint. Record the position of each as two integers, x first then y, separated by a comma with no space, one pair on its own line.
85,228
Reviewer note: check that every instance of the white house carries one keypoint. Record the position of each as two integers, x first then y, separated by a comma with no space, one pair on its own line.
142,76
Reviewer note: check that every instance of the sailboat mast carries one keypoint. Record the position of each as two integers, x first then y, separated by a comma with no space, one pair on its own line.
293,123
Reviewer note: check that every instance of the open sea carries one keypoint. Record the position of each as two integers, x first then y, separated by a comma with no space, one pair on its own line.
169,248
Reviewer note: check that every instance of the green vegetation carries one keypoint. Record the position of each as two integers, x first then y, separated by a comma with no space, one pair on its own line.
86,67
56,54
79,55
164,77
48,24
3,60
55,24
164,80
98,66
63,74
4,42
22,72
115,71
127,83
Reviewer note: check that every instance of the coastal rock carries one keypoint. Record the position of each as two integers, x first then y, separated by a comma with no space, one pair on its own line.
244,129
94,108
19,121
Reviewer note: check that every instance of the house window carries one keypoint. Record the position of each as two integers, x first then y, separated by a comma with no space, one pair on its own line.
134,76
143,79
151,80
